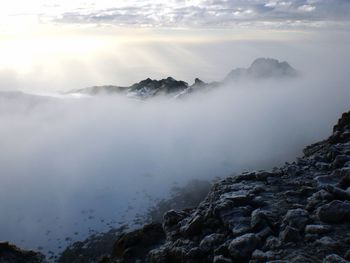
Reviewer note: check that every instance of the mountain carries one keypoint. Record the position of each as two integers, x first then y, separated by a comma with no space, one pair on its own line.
149,88
261,68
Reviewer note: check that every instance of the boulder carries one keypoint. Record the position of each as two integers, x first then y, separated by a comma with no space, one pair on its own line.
242,247
317,229
12,254
335,212
290,234
296,218
334,258
210,242
221,259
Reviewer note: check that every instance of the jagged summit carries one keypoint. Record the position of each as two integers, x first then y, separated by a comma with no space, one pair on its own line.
261,68
149,88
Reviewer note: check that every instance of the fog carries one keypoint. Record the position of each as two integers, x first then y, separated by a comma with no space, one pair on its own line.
74,164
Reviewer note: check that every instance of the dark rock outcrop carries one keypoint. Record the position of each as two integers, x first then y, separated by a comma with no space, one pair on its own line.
12,254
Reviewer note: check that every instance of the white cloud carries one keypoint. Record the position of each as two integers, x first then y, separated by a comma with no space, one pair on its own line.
306,8
180,13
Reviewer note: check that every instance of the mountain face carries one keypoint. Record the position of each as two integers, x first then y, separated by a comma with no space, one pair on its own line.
261,68
149,88
299,212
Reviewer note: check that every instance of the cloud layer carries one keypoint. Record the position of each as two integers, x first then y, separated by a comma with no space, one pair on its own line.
210,13
61,158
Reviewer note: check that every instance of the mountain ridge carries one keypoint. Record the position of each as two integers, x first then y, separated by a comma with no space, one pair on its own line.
261,68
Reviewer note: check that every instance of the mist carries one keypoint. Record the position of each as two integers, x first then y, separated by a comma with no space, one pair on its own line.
71,165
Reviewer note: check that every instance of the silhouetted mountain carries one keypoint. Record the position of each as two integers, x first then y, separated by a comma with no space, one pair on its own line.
149,88
261,68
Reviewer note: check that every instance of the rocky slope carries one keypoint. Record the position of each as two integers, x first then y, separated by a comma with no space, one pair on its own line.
261,68
12,254
296,213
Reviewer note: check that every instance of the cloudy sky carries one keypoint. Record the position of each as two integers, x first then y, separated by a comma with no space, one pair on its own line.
78,43
181,13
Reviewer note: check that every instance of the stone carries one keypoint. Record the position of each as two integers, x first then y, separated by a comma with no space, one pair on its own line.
259,219
242,247
340,160
335,212
344,182
193,227
221,259
347,255
296,218
172,217
334,258
262,175
195,253
327,242
322,166
318,229
210,242
290,234
261,256
12,254
133,245
272,242
338,193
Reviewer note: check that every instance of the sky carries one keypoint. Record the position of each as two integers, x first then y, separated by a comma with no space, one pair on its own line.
180,13
62,45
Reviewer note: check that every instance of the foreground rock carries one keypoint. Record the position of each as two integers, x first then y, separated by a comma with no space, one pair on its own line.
297,213
12,254
98,247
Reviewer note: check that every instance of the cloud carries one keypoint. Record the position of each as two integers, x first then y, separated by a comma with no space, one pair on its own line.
214,13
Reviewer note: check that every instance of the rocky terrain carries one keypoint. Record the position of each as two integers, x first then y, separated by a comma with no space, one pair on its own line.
296,213
261,68
12,254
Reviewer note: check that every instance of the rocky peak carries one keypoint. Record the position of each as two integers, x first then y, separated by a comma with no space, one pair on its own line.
198,81
149,87
268,67
263,68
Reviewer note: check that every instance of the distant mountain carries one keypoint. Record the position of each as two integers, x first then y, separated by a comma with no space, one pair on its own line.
149,88
261,68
